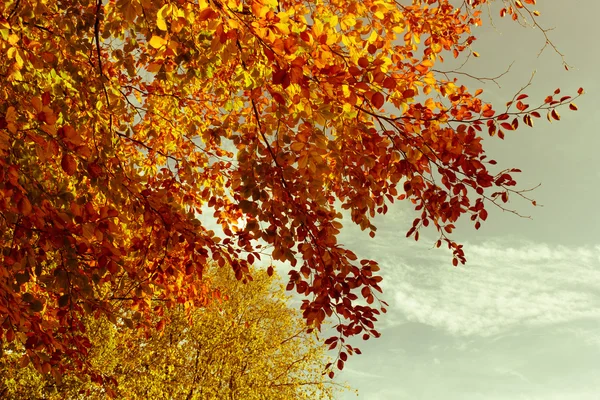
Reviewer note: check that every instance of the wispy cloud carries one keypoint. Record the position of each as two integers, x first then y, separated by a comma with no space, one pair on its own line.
505,284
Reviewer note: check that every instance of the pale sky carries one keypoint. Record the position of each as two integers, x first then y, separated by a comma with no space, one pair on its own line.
521,321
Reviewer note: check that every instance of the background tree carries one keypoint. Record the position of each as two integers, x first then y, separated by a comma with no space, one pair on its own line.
124,124
248,345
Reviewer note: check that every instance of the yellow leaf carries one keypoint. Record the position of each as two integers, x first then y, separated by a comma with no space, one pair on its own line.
429,79
373,36
348,21
157,42
161,24
333,21
164,11
283,28
19,59
13,39
10,53
318,28
233,24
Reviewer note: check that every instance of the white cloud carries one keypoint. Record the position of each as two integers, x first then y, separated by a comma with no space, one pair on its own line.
504,285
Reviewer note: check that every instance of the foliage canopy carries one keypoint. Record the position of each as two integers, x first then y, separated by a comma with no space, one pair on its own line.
248,345
126,123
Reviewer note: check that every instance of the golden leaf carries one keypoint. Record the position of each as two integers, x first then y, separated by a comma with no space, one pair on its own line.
157,42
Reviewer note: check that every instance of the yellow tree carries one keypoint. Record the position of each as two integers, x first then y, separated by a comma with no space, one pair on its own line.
248,345
124,123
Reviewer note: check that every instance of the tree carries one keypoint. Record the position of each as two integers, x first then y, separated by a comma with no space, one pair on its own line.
126,124
248,345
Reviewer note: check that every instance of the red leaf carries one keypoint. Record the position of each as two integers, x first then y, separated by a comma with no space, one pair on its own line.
521,106
278,98
278,77
377,100
408,93
483,214
68,164
160,325
363,62
389,83
330,340
46,98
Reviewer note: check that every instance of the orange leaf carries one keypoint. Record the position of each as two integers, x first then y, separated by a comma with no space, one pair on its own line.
24,206
68,164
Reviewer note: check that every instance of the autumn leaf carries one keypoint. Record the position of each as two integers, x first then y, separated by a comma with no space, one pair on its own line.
68,164
25,206
157,41
160,20
377,100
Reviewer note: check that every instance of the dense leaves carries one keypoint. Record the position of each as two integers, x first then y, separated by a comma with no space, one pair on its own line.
126,125
249,345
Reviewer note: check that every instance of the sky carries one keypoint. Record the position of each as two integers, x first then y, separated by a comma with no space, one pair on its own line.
521,320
